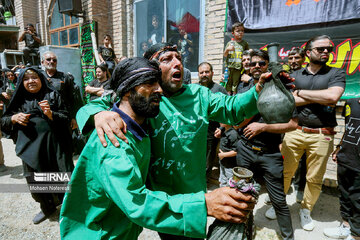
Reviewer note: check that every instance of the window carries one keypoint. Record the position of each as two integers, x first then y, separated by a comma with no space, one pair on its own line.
64,29
176,22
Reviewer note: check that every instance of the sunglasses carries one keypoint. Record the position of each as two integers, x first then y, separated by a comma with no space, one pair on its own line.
53,59
261,64
322,49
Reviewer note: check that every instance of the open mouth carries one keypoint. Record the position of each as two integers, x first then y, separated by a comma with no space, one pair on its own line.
177,75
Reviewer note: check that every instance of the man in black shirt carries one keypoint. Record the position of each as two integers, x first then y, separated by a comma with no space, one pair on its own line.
347,156
319,87
32,42
97,87
258,149
63,83
205,71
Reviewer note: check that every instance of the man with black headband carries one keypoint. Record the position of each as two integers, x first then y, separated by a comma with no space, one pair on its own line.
108,198
178,136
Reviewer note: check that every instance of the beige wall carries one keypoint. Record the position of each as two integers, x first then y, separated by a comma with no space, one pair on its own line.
26,11
214,34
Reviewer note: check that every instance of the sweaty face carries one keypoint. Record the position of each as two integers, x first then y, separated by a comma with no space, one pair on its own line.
257,70
32,82
171,72
205,74
145,99
100,74
49,62
245,62
317,57
295,61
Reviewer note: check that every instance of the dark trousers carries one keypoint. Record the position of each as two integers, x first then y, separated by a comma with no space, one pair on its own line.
47,201
300,175
27,57
349,187
211,150
270,166
110,65
165,236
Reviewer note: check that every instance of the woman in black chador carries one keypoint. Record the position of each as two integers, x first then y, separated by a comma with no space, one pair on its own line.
37,121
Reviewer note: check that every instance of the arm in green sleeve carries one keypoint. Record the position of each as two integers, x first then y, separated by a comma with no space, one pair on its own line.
232,109
182,214
84,116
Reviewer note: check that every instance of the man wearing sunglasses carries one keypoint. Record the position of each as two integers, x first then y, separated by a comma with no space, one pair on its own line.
319,87
63,83
258,149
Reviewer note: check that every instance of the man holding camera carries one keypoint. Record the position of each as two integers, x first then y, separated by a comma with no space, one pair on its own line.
32,42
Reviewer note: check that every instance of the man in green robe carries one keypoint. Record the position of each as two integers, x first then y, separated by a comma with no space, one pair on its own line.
178,134
108,198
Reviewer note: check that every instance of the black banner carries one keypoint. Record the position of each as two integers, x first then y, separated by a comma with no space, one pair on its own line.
262,14
345,32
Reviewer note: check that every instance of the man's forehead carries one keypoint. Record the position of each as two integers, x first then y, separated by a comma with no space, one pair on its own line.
296,55
321,42
50,55
257,58
169,53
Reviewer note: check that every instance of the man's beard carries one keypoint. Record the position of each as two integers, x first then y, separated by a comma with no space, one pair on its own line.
47,67
143,106
320,61
205,80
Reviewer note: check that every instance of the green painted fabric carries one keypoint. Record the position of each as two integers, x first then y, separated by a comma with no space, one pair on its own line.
178,134
109,200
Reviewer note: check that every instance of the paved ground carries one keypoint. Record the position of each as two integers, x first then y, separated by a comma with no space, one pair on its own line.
18,209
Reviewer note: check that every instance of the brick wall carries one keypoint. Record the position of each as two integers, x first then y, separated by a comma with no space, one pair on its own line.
26,11
214,35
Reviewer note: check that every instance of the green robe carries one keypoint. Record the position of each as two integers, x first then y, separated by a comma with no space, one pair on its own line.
178,134
109,200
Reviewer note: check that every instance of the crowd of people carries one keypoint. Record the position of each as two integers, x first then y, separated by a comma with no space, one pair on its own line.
146,161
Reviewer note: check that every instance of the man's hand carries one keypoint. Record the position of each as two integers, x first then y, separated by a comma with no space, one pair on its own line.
245,78
20,118
217,133
334,154
229,205
73,124
100,92
109,123
221,155
254,129
263,78
286,80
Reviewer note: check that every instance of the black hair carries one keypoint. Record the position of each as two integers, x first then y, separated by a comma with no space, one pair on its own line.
308,45
260,53
297,50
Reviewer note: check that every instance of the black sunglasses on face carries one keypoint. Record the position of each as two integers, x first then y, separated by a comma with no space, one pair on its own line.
261,64
53,59
322,49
